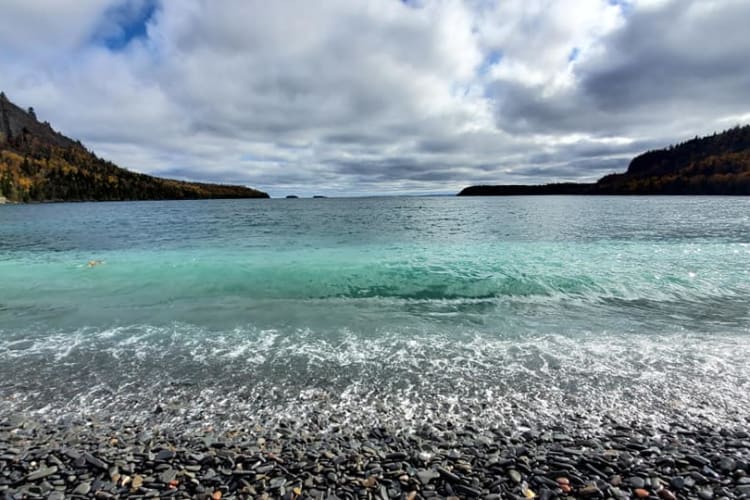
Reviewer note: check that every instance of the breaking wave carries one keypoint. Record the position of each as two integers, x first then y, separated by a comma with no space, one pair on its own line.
235,377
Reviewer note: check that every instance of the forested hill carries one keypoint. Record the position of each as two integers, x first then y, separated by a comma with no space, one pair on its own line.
717,164
39,164
713,165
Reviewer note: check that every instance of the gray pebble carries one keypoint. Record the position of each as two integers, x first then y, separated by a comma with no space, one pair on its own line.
425,476
167,476
42,473
82,489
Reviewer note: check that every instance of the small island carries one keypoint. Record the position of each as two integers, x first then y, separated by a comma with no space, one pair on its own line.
38,164
715,165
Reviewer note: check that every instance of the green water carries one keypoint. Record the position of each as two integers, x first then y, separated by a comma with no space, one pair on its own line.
381,307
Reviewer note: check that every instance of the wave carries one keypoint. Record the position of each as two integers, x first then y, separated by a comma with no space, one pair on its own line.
473,376
593,272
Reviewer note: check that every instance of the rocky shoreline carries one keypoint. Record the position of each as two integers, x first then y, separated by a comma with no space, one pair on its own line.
309,458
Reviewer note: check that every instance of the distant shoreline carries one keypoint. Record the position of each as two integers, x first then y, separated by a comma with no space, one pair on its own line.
717,165
604,195
56,202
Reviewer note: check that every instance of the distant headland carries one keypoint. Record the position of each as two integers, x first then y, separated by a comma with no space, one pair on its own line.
38,164
715,165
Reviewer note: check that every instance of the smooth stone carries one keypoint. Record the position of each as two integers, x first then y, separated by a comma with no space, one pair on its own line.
589,490
640,493
665,494
96,462
277,483
448,475
698,460
515,476
545,481
82,489
42,473
165,455
698,477
706,493
467,491
708,471
617,492
425,476
636,482
677,482
545,494
727,464
167,476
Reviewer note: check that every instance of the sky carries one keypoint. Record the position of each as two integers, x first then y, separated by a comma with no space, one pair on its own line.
359,97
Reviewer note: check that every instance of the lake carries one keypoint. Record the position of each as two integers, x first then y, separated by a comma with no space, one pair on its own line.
402,310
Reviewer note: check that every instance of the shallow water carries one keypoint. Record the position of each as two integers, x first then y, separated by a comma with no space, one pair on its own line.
491,310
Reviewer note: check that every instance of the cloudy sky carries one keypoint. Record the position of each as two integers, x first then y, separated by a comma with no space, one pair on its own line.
350,97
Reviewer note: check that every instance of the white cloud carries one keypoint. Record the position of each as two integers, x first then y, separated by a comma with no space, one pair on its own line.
344,97
42,29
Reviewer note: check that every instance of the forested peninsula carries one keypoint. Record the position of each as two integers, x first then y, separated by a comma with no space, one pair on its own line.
715,165
38,164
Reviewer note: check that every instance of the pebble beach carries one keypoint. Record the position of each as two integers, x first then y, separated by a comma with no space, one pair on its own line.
322,459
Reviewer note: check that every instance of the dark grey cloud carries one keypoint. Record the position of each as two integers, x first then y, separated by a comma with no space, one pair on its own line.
672,69
681,54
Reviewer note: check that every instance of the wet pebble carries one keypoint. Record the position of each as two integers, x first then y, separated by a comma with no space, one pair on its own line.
437,462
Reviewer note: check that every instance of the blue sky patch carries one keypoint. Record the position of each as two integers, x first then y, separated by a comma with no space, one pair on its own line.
494,57
124,23
626,6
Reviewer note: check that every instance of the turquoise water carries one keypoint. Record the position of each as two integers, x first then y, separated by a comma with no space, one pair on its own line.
488,309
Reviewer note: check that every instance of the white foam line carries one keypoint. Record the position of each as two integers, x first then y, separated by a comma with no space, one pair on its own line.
427,376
